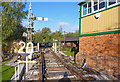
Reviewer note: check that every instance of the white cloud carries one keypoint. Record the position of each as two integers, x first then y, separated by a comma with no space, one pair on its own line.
73,29
63,24
67,27
53,30
76,27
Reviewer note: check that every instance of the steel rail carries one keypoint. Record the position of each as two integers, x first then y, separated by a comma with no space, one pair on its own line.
69,67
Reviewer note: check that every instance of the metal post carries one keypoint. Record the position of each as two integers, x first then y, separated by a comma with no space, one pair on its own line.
26,64
30,56
38,47
55,48
18,71
15,73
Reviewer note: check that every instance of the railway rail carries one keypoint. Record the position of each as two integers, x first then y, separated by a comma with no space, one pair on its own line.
60,67
33,70
53,66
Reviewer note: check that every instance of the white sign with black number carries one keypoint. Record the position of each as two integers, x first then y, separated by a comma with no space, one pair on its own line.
24,34
29,48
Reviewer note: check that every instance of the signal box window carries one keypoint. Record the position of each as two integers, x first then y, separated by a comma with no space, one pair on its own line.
101,4
118,1
111,2
85,9
89,7
95,5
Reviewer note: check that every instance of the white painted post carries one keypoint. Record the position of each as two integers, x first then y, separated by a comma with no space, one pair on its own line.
55,48
26,64
30,56
38,46
15,73
18,71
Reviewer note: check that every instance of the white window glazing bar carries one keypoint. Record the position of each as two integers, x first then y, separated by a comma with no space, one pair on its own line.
107,3
92,6
87,9
98,4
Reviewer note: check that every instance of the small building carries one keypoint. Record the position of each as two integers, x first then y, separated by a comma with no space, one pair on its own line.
70,42
99,35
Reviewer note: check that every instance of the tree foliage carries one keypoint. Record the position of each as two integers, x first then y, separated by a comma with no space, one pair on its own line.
12,15
45,35
57,35
42,36
72,34
12,29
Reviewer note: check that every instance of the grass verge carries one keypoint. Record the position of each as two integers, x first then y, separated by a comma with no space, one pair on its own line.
5,62
7,71
67,53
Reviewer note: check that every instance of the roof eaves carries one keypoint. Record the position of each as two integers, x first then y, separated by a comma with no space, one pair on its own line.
82,2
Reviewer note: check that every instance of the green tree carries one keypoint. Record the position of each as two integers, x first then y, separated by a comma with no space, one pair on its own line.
57,35
42,36
72,34
12,15
37,37
46,34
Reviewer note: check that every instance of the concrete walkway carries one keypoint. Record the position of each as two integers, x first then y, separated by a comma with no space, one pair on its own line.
21,68
12,62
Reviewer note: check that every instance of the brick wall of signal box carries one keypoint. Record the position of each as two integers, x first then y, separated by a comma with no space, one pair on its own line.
102,53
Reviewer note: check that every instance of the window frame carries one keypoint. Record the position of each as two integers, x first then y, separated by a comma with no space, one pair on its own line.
118,2
83,10
108,6
103,7
89,7
92,7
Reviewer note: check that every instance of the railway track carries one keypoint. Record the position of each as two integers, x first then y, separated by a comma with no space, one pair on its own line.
55,70
33,70
56,67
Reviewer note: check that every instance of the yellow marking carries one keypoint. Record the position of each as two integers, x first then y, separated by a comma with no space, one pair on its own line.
35,46
19,61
